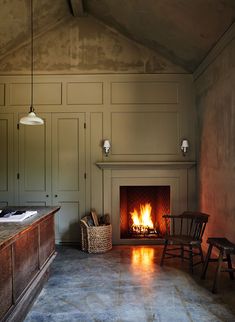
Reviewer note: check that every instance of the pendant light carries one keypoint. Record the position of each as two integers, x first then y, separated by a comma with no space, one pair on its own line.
31,118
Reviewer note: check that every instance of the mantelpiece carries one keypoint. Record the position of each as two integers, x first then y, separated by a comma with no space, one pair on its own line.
124,165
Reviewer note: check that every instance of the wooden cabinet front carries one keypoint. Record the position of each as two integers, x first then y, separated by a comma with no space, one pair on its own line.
47,240
26,263
5,280
26,253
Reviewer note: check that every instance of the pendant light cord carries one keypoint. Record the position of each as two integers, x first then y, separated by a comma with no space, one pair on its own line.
32,53
31,118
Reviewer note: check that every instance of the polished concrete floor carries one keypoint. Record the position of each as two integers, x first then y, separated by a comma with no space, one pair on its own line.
127,284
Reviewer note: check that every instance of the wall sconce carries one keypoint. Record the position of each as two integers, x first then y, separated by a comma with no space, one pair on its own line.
106,147
184,146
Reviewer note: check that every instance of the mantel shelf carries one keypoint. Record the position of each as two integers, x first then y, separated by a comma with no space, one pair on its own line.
126,165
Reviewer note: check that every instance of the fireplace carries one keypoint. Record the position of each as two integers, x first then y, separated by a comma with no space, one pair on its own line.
141,211
163,185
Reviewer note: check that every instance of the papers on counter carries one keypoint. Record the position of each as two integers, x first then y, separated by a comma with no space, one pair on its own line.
16,216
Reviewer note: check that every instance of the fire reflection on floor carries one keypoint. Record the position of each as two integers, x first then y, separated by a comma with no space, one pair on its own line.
142,260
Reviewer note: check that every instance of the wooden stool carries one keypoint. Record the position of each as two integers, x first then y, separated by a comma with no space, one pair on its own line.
226,248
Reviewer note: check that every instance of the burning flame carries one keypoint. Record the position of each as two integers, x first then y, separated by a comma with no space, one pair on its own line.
142,219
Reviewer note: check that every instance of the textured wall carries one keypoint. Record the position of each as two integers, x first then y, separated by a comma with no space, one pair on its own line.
15,21
78,46
215,100
181,30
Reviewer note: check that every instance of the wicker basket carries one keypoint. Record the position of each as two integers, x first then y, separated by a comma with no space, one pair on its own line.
96,239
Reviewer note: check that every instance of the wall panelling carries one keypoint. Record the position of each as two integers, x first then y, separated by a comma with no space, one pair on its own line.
144,116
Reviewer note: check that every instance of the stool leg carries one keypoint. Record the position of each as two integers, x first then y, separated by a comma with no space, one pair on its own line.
164,252
220,261
230,266
208,255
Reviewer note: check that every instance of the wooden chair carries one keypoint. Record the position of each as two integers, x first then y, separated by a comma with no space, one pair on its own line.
184,235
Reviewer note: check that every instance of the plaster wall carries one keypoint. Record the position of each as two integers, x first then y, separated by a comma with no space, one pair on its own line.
83,46
215,101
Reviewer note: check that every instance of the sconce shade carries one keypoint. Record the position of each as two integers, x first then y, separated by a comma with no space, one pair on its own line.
107,144
106,147
185,144
31,119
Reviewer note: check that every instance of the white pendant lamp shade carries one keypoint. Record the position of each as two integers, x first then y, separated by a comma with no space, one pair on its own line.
31,119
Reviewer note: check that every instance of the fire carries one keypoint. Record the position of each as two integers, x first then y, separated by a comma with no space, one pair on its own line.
142,220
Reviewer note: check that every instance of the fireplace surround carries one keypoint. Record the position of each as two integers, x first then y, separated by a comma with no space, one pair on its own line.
116,175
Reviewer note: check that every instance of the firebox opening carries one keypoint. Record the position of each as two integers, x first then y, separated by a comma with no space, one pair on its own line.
141,211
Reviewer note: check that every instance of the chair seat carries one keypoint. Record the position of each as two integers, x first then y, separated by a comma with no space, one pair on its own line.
182,240
222,244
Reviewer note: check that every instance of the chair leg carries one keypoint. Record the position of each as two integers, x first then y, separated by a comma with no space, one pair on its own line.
230,266
164,252
220,261
202,257
208,256
191,259
182,253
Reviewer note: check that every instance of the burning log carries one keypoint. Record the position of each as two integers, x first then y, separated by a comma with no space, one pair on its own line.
144,231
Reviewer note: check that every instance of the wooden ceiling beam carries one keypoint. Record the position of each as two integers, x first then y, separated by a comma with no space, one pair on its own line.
78,8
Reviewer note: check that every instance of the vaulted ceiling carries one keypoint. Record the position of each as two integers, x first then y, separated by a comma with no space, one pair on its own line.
183,31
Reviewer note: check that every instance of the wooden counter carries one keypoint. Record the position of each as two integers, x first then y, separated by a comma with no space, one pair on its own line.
26,251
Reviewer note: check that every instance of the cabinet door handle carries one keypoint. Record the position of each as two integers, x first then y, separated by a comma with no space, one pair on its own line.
47,196
56,196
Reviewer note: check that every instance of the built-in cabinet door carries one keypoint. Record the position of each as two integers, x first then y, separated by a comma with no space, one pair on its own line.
68,169
35,163
52,168
6,160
